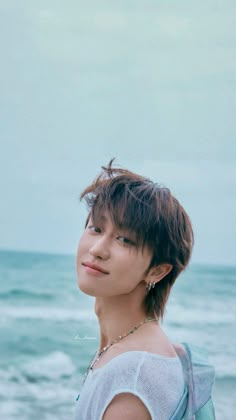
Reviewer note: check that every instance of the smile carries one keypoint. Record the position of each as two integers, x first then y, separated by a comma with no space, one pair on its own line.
94,269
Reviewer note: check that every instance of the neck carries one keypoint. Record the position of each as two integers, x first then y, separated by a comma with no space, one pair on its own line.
117,317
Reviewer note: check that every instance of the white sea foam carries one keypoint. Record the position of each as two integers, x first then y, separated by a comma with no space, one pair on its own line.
52,366
196,314
45,313
41,400
47,381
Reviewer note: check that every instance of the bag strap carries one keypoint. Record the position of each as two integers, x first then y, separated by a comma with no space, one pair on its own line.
194,356
207,412
180,410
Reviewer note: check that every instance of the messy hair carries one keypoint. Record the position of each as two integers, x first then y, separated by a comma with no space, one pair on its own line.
149,211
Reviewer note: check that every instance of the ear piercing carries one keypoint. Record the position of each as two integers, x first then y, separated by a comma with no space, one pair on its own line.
150,286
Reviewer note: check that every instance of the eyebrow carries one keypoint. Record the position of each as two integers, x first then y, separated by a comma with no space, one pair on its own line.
132,234
102,218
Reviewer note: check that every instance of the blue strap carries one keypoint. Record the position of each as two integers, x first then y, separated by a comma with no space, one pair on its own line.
180,410
207,412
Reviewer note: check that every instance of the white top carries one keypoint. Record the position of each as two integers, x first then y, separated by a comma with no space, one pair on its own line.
157,380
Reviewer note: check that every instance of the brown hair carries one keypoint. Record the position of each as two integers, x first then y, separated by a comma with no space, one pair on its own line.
148,210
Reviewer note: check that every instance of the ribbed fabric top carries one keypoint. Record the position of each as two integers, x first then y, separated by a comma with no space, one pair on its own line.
157,380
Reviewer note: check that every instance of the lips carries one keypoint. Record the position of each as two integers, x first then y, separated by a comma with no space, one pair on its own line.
95,267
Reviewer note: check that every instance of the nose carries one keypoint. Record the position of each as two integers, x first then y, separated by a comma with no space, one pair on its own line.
100,249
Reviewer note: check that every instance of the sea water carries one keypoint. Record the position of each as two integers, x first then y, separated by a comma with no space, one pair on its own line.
49,332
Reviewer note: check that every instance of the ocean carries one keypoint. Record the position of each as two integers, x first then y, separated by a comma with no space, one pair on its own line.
49,332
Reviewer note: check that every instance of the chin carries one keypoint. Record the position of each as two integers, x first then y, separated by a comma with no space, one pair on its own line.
86,289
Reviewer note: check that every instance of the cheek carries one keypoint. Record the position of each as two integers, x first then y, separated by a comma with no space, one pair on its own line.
129,269
136,268
80,250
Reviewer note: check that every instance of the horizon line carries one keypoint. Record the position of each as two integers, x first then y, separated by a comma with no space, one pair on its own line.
63,254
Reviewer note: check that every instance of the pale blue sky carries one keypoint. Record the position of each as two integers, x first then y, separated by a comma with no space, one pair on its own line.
151,83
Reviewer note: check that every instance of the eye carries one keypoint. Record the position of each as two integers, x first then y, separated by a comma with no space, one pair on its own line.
94,229
125,240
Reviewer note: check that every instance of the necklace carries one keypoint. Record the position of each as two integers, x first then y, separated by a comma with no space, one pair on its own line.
113,342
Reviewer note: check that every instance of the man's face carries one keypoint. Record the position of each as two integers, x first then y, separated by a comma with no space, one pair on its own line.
121,265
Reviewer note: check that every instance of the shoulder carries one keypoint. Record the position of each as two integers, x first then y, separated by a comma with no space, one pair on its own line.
157,386
128,406
139,385
152,340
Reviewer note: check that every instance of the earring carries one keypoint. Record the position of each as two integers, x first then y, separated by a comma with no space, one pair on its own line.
150,286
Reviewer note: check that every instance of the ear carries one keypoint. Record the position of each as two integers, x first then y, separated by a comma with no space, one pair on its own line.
158,272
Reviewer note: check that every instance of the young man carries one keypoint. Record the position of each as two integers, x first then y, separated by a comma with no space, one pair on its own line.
137,240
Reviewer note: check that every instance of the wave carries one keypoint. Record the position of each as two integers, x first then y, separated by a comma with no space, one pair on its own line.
45,313
183,316
25,294
227,378
45,387
52,367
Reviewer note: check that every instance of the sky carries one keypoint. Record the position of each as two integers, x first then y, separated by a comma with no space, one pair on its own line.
151,83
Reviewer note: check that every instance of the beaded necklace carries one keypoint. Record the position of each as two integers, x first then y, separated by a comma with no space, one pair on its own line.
113,342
